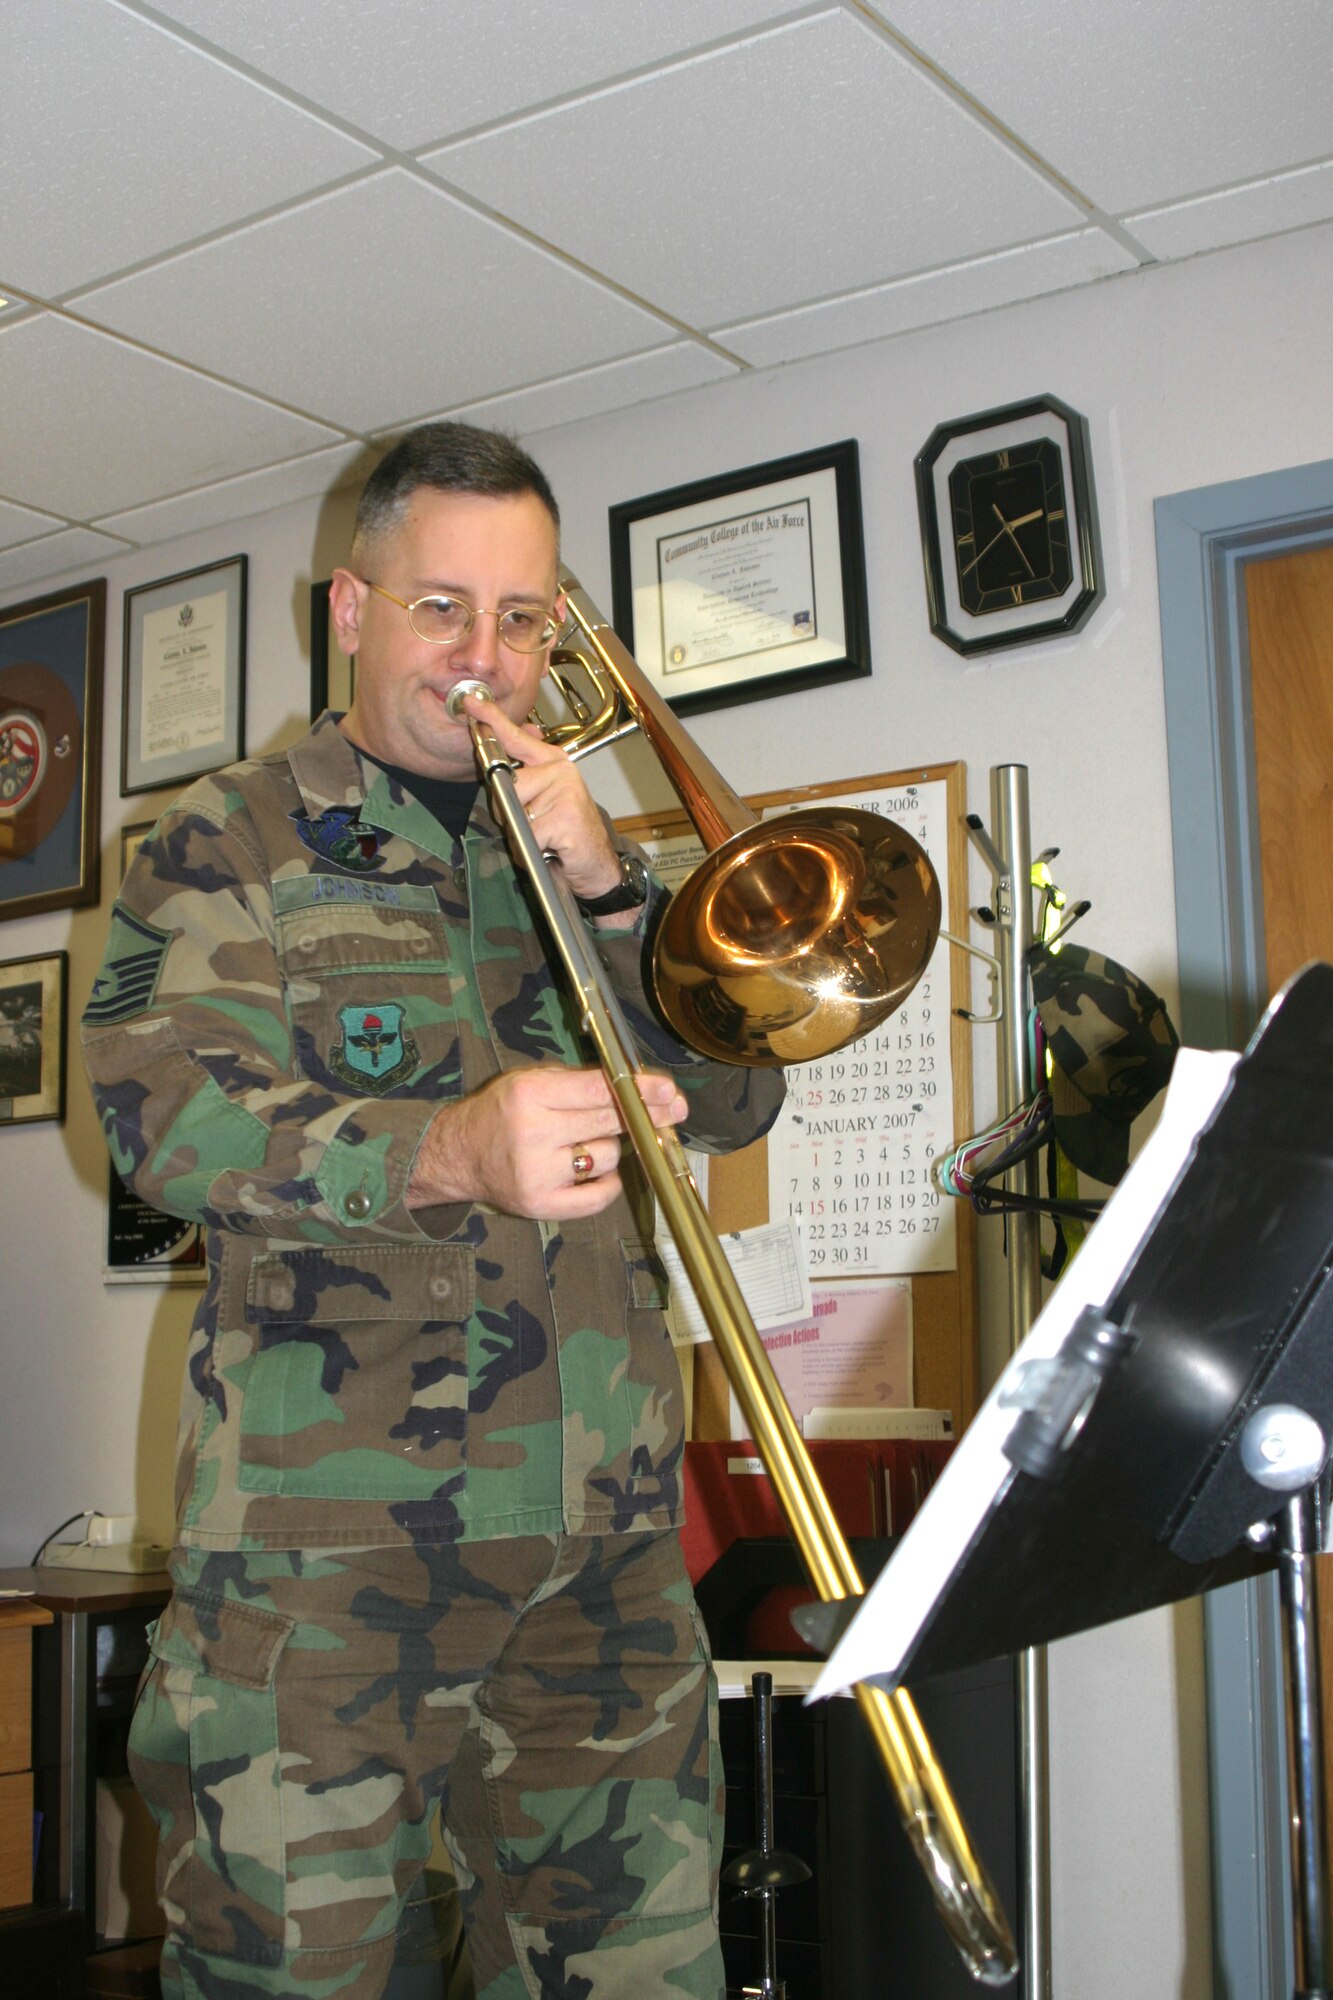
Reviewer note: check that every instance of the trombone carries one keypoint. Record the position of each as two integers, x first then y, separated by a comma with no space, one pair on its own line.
791,939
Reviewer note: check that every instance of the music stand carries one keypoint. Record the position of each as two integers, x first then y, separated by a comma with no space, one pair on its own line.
1164,1427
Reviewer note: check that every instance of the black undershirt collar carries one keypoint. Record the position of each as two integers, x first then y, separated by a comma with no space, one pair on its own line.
449,800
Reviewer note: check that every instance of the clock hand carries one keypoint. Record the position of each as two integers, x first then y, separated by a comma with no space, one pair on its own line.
984,552
1007,528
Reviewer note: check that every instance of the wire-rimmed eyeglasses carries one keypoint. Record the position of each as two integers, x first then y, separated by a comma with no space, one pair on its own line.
443,621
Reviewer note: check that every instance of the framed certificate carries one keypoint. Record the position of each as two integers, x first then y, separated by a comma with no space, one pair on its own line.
184,699
747,585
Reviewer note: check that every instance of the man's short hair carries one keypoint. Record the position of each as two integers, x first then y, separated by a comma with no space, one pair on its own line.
450,458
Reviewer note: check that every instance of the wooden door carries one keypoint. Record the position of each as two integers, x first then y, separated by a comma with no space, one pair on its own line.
1291,682
1291,679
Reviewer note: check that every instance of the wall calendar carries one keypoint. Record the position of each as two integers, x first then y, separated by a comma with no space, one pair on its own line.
850,1157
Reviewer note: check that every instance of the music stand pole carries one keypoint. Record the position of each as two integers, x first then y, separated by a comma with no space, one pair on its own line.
1298,1545
1013,911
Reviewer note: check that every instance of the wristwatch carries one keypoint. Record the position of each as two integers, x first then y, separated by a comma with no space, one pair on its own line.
629,892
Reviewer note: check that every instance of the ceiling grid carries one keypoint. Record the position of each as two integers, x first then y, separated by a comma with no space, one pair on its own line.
215,208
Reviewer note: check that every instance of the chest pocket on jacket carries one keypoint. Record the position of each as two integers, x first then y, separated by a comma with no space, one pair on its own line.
375,998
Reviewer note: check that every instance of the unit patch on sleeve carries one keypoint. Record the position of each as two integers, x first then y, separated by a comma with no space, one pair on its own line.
135,954
374,1053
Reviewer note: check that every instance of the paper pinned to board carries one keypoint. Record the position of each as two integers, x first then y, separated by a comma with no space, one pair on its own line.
769,1267
851,1349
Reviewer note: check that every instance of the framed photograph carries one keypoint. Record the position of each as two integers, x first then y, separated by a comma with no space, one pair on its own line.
1009,526
34,998
184,699
748,585
51,652
332,672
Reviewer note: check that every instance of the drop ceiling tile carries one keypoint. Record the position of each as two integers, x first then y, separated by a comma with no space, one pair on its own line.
983,282
414,74
72,548
375,302
811,159
1263,208
20,524
319,472
617,386
1138,104
130,427
133,142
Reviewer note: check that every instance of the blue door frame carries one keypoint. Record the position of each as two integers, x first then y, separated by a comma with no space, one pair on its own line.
1205,540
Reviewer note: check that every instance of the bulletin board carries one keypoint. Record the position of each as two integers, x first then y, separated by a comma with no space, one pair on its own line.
885,1106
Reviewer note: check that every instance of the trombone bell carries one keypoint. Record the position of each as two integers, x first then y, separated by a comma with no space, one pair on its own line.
797,936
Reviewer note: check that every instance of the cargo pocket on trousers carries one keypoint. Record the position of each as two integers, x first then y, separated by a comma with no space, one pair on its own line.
203,1752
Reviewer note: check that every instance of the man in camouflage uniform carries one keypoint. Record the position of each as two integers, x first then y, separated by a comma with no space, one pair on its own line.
431,1435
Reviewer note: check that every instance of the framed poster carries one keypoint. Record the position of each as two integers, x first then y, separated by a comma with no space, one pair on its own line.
747,585
33,1005
184,697
332,672
50,749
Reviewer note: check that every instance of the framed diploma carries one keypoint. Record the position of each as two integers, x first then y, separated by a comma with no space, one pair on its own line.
50,750
332,672
747,585
33,1006
184,699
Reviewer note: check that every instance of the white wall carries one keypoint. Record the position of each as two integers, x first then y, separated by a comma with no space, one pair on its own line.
1188,375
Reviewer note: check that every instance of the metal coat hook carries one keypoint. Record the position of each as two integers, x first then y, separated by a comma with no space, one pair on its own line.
992,965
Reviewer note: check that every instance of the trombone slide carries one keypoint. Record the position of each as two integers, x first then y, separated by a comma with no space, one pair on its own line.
964,1896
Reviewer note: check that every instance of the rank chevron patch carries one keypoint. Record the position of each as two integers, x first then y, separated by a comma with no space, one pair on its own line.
135,954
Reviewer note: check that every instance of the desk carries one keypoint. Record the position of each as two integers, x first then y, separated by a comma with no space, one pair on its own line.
17,1620
80,1601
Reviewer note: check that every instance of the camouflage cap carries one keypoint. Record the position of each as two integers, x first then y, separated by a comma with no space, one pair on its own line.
1112,1043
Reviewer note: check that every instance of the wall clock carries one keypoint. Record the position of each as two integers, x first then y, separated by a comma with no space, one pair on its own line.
1009,526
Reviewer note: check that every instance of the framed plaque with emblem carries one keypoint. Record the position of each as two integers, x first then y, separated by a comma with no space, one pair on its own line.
50,749
184,692
747,584
144,1246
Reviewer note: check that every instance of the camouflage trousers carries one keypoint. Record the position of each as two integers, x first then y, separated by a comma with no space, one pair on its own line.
304,1716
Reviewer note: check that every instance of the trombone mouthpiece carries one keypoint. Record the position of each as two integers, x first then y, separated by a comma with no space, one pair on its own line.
453,701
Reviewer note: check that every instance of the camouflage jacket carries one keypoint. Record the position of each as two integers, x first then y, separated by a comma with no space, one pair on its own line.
301,966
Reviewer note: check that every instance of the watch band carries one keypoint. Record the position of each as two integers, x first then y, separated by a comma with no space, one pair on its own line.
628,894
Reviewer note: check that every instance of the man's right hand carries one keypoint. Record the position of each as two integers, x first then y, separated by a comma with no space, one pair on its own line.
512,1143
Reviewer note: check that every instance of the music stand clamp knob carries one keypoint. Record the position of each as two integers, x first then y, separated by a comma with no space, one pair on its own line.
1056,1395
1282,1448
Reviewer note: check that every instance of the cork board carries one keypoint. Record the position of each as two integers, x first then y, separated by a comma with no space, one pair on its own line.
944,1303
